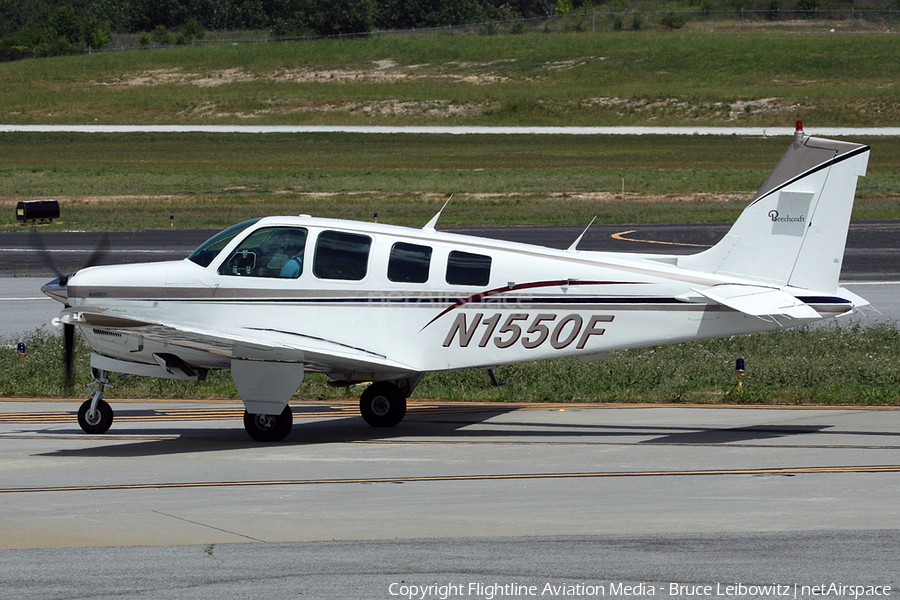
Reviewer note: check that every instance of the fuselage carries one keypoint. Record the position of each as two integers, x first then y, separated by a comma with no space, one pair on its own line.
374,301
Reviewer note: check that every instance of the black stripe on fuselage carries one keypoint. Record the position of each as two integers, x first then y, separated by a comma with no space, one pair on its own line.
454,300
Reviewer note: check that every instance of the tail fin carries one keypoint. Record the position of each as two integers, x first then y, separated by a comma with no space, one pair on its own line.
795,229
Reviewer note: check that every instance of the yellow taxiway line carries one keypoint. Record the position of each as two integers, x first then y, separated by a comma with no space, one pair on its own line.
456,478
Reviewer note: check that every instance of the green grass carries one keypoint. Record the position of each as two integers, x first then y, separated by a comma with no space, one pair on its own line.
825,365
830,365
210,181
606,78
132,181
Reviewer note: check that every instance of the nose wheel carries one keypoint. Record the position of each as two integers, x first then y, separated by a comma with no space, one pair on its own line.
95,416
97,420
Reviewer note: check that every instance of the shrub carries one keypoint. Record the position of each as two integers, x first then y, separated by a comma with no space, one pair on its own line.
161,36
673,20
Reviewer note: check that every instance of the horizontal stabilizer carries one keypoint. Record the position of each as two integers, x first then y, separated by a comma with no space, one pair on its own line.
857,301
759,301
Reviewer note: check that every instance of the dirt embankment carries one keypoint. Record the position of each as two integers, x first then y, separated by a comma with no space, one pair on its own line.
389,71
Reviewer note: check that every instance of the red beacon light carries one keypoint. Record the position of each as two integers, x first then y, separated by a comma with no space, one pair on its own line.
798,133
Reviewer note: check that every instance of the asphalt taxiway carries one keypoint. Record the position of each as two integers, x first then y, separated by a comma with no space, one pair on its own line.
871,252
176,501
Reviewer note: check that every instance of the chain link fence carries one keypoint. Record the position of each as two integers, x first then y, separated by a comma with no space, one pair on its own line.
775,19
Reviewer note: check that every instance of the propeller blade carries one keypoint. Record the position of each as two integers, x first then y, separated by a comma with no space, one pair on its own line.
59,287
37,242
68,355
97,256
99,252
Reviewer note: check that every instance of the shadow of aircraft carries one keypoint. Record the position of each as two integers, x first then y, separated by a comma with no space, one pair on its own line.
331,425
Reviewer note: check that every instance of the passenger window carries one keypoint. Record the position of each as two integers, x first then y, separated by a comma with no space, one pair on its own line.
409,263
468,269
341,255
268,252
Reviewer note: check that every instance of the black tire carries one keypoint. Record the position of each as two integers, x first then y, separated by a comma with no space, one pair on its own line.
101,421
269,428
382,404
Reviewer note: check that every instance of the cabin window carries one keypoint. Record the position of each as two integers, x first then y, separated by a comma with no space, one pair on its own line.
409,263
341,255
464,268
268,252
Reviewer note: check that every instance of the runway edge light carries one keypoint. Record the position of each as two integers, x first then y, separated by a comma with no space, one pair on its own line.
739,372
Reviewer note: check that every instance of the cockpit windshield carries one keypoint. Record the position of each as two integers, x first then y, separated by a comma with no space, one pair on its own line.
209,249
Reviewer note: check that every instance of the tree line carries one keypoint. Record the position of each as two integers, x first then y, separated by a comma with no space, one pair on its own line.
30,24
49,27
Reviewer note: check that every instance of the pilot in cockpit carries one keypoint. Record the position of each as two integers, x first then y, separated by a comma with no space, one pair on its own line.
292,255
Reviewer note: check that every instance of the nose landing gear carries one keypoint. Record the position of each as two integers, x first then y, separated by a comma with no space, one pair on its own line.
96,415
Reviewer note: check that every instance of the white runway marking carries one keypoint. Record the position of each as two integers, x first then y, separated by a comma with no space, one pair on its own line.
470,130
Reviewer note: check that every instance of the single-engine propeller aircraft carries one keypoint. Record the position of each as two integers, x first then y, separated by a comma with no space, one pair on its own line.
277,297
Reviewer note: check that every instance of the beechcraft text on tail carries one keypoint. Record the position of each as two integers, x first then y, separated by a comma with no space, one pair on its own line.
274,298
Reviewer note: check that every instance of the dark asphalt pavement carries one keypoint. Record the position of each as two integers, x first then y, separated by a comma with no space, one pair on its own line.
871,255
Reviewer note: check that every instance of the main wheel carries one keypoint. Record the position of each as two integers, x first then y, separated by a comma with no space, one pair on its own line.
382,404
100,421
269,428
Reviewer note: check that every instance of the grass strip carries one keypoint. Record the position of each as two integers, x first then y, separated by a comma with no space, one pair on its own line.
576,78
830,365
136,181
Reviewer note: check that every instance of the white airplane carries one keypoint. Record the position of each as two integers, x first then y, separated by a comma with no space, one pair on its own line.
274,298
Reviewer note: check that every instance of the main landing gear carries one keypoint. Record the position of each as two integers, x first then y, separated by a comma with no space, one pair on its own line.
269,428
383,404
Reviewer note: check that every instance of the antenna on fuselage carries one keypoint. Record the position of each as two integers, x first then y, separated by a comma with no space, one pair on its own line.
429,226
574,245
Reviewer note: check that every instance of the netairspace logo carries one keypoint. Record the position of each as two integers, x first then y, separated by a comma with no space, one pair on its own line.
493,591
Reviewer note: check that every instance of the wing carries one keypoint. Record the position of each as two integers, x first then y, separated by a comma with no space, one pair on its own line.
338,360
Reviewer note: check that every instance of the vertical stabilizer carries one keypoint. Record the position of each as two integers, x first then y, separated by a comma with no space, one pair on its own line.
795,229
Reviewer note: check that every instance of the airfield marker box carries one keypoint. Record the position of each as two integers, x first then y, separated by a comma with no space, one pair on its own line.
37,210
